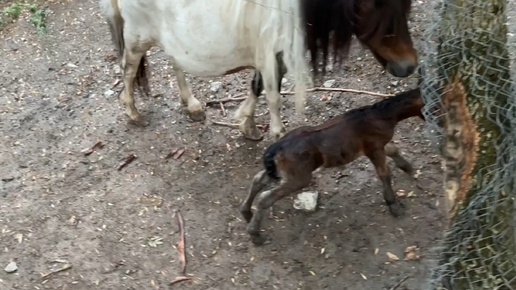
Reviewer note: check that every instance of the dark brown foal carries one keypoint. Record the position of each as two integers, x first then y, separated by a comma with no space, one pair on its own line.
366,131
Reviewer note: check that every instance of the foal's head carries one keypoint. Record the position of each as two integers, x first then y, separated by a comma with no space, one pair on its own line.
382,26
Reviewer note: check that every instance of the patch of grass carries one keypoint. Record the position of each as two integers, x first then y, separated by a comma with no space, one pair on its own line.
37,14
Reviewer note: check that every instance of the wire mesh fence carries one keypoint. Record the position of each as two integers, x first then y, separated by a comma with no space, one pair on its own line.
471,115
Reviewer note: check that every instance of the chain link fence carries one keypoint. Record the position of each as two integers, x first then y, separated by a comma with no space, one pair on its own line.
467,82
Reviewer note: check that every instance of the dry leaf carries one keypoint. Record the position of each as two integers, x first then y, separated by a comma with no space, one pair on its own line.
363,276
401,193
376,251
392,256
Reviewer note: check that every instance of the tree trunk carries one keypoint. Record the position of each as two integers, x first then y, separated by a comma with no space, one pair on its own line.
479,250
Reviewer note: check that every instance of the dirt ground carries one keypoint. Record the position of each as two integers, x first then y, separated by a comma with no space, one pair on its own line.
117,229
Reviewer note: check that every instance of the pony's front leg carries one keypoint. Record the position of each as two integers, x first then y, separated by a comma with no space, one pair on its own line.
246,111
194,107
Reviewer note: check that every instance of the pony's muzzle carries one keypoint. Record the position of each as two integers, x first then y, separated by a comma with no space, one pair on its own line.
402,68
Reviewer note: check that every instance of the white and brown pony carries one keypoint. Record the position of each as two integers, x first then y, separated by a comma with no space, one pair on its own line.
209,38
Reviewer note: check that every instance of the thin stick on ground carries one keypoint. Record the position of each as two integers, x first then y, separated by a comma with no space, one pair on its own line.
233,125
322,89
236,98
181,250
223,109
239,97
64,268
399,283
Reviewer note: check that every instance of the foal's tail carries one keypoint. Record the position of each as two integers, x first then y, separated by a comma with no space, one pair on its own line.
268,160
116,27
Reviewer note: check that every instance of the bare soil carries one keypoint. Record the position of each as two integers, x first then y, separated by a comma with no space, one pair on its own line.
117,229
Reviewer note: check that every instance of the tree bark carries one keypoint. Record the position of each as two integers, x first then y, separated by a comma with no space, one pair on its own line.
479,250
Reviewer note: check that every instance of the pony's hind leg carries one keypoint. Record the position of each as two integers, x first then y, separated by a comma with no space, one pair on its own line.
267,198
194,107
378,158
246,111
260,180
393,152
131,63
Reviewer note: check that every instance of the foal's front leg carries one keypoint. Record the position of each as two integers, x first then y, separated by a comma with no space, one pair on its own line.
194,107
393,152
379,160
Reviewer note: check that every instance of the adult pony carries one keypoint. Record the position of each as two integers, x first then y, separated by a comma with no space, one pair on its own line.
379,25
210,38
214,38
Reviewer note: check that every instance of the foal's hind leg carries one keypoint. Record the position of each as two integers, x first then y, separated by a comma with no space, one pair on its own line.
260,180
267,198
194,107
394,153
378,158
247,109
130,63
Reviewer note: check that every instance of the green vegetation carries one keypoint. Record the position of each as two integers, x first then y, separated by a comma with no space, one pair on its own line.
13,12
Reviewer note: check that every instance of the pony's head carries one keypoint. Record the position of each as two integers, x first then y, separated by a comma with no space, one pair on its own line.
381,25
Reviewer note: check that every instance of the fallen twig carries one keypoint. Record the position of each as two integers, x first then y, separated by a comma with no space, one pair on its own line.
338,90
399,283
181,243
175,153
235,126
130,158
180,279
97,146
223,109
181,250
235,98
64,268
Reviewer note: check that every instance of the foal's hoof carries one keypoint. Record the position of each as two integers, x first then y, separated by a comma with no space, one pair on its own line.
247,215
139,122
259,240
197,116
396,209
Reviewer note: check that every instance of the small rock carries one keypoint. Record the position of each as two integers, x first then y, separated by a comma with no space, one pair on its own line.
71,65
109,93
329,83
306,200
359,58
116,69
11,267
215,87
395,83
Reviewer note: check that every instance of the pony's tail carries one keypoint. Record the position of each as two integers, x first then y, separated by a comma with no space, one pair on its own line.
116,27
268,160
294,54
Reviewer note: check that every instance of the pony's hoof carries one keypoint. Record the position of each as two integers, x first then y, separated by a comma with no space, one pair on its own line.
250,132
259,240
396,210
139,122
197,116
278,135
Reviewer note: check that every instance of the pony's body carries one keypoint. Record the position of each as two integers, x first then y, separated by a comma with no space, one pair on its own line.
210,38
